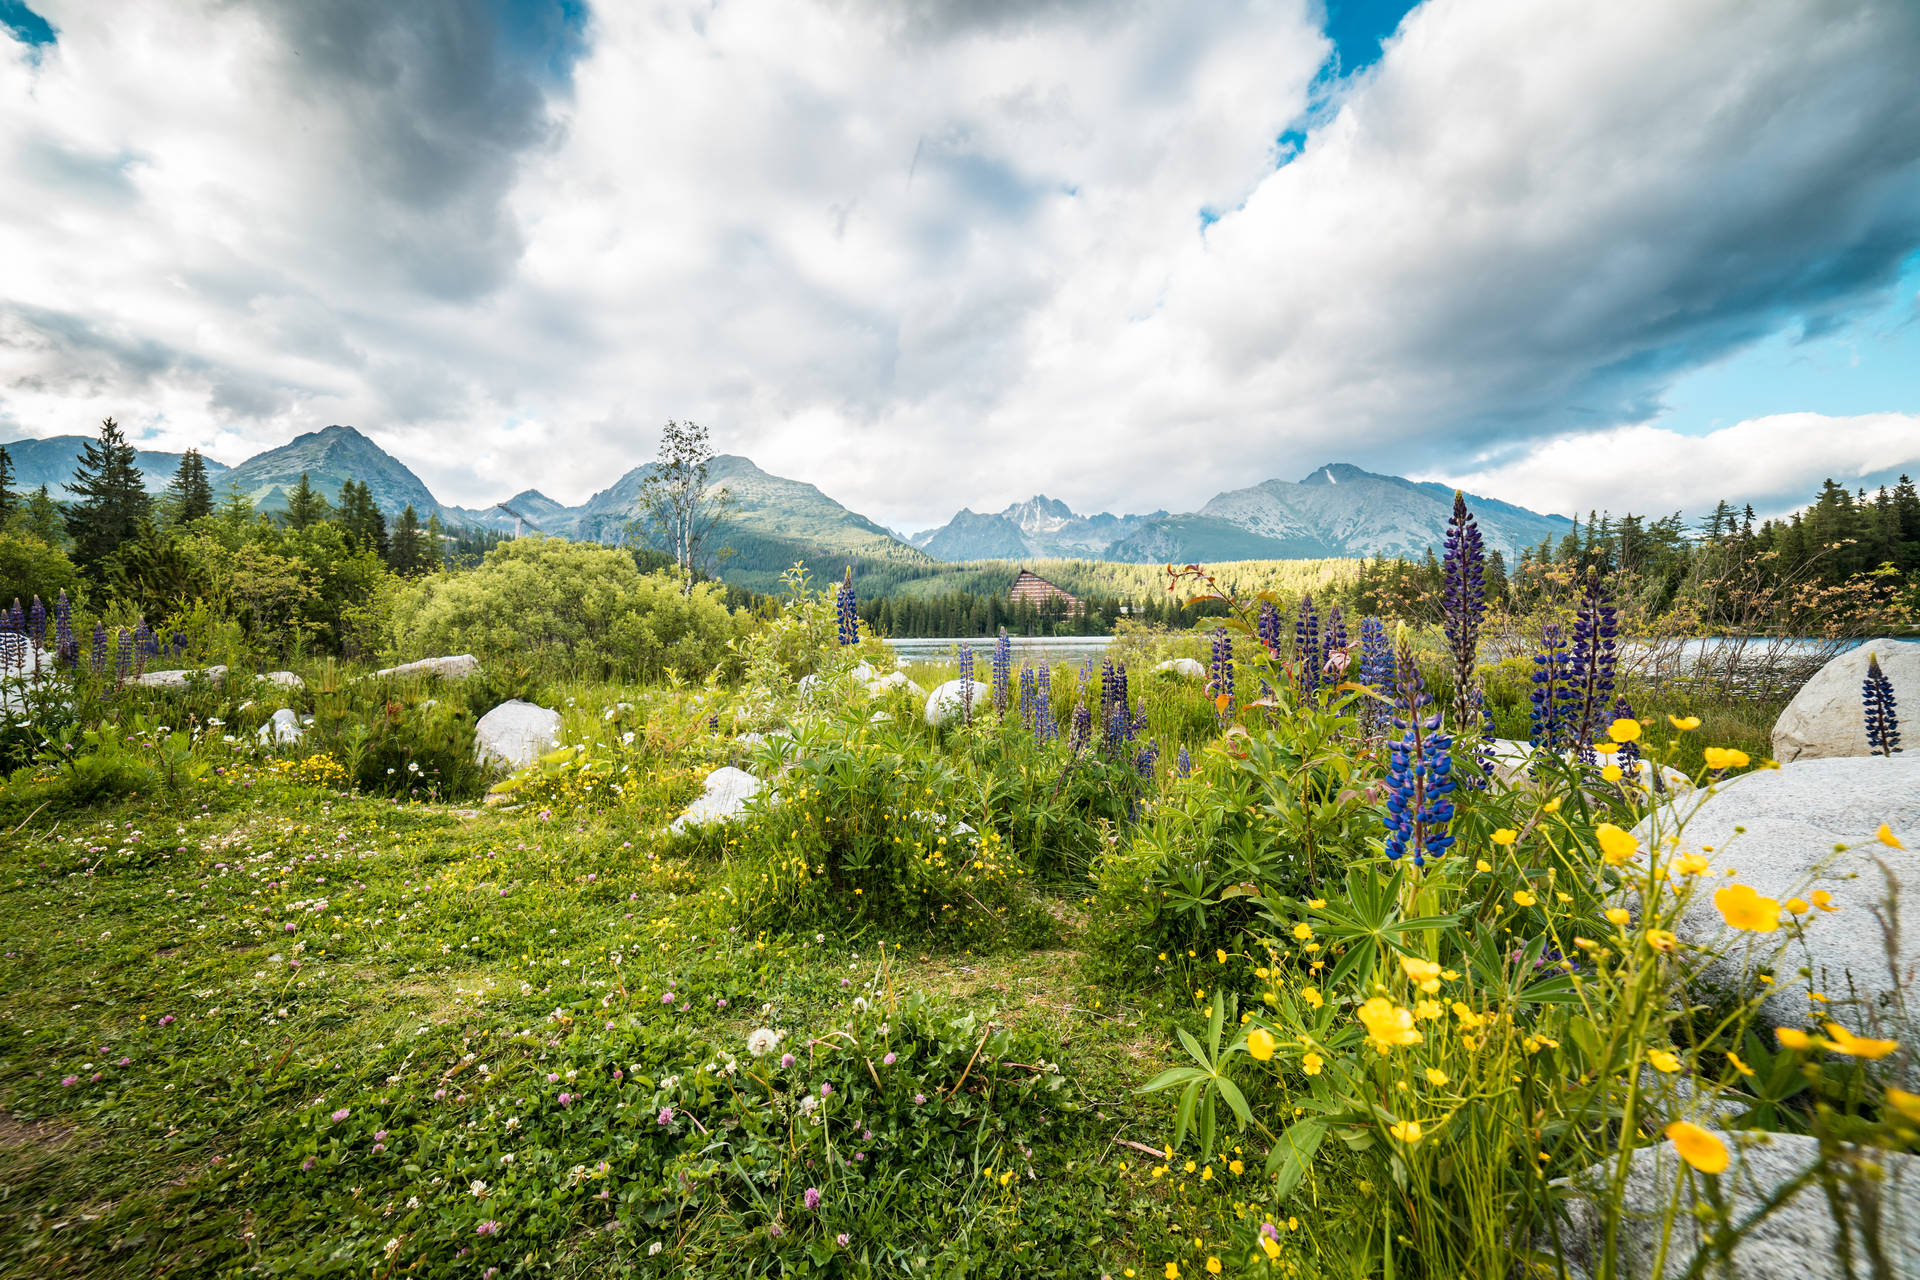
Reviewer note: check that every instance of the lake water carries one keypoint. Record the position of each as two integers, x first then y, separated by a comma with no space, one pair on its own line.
1029,648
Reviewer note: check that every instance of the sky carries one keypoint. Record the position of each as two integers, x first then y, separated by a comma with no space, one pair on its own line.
934,253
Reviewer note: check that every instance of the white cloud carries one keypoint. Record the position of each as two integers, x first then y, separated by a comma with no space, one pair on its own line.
1776,463
933,255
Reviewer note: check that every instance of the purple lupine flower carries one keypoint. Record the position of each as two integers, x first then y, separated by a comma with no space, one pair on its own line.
1333,645
1268,627
1419,772
66,648
1145,760
1550,730
812,1197
846,610
1081,732
123,653
1026,695
1002,671
1182,763
1306,645
1220,673
13,619
966,684
1044,726
1883,714
99,650
1591,665
145,643
37,622
1464,595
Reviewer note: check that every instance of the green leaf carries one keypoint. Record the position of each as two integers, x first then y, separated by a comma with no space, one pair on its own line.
1235,1099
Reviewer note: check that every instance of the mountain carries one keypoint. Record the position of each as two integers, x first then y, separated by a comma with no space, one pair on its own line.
51,462
1338,510
329,458
541,514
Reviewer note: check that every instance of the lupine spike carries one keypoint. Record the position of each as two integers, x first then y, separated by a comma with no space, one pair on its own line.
1268,628
1306,645
1883,717
1376,668
1549,718
1182,763
1147,757
66,647
1026,695
1220,682
123,653
99,650
847,611
1079,736
1419,780
37,622
1002,671
1591,665
1044,727
966,683
1464,595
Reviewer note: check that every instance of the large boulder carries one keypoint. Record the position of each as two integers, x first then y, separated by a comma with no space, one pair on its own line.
24,666
457,667
1793,817
883,685
1798,1240
180,679
516,734
1827,717
1188,668
946,703
724,799
285,679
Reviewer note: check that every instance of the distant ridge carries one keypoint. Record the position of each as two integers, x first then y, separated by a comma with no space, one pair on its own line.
51,460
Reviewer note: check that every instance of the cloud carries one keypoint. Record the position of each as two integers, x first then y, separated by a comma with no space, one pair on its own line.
1776,463
939,254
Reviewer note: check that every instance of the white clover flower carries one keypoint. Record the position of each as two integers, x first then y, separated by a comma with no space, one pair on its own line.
763,1042
479,1189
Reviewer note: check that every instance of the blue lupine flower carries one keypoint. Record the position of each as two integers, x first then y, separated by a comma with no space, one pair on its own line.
1335,641
1549,716
1026,695
1182,763
1086,669
1002,671
99,650
1081,733
1591,666
1044,727
1376,669
1221,672
13,618
1463,593
66,647
1147,757
37,621
1268,627
846,608
1883,718
966,683
179,643
1419,772
1306,645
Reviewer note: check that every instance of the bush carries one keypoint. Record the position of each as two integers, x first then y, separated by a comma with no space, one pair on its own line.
30,567
586,605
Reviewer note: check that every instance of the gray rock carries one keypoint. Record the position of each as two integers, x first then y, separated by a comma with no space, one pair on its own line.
281,731
1798,1240
24,667
457,667
880,687
725,798
516,734
1186,667
1825,718
285,679
944,703
1794,816
179,679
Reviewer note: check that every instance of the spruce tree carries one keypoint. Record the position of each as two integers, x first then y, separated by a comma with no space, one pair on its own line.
405,554
111,498
190,495
433,545
8,502
39,517
306,506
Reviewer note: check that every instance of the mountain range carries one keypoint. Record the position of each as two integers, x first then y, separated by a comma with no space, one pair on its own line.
1337,510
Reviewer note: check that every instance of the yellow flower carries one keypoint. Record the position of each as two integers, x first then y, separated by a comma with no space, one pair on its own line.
1611,773
1618,916
1173,1271
1698,1147
1738,1065
1388,1026
1844,1041
1424,973
1481,864
1725,758
1551,806
1907,1104
1663,1061
1662,940
1436,1077
1616,846
1684,724
1191,1166
1745,909
1311,1064
1260,1043
1220,955
1236,1167
1791,1039
1312,996
1213,1266
1316,903
1692,864
1524,899
1271,1248
1505,836
1798,906
1429,1010
1407,1131
1303,931
1624,730
1822,899
1885,836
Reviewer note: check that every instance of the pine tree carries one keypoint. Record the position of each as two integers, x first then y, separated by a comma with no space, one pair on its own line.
112,502
236,512
406,553
306,506
8,503
39,517
433,545
362,519
190,495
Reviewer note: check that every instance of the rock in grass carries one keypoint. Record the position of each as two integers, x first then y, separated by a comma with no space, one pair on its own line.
281,731
1798,1240
1185,667
457,667
516,734
880,687
944,703
725,798
285,679
179,679
1793,817
1826,718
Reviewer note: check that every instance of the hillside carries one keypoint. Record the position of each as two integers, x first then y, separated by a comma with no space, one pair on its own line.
51,462
329,458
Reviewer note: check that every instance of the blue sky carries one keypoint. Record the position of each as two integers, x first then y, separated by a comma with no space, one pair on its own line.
938,253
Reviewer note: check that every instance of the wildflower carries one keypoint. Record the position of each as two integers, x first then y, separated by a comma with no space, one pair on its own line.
1436,1077
1260,1043
487,1228
1907,1104
1173,1271
1616,846
1236,1167
1522,898
1312,1063
1663,1061
1883,721
812,1197
843,1239
1662,940
888,1061
665,1117
1719,758
1407,1131
1624,730
1698,1147
1822,899
1419,772
1844,1041
1505,836
1885,836
1745,909
786,1060
1423,973
763,1041
1213,1266
1797,906
846,612
1312,996
1303,931
1789,1038
1387,1026
340,1115
1694,864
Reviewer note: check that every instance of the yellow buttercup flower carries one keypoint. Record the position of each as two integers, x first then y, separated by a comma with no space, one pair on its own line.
1312,996
1698,1147
1220,955
1691,864
1481,864
1797,906
1885,836
1907,1104
1745,909
1618,916
1725,758
1312,1063
1662,1060
1616,846
1524,899
1303,931
1844,1041
1792,1039
1436,1077
1505,835
1407,1131
1624,730
1260,1043
1387,1025
1213,1266
1823,900
1236,1167
1738,1065
1423,973
1270,1247
1684,724
1611,773
1663,941
1173,1271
